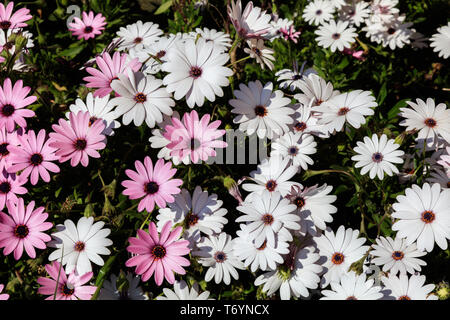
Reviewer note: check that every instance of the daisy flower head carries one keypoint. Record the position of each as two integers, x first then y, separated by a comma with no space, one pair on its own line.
263,55
291,79
79,245
423,216
155,54
196,70
440,41
78,139
138,35
341,249
439,176
13,100
353,287
408,288
290,34
158,254
216,253
110,68
7,139
181,291
275,28
349,107
194,137
396,33
200,214
98,108
267,216
68,287
10,187
155,185
13,21
318,12
432,121
315,90
383,10
260,109
395,256
335,35
355,12
250,23
306,121
34,157
377,155
444,159
130,291
220,39
88,27
23,229
297,147
3,296
141,98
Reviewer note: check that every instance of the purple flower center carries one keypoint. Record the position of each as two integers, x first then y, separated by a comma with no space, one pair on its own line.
271,185
21,231
267,219
158,252
377,157
335,36
319,12
8,110
79,246
404,298
293,151
260,111
195,72
92,120
191,219
300,126
80,144
66,291
337,258
430,122
220,256
391,31
257,52
151,187
299,202
5,25
297,77
343,111
3,149
5,187
36,159
88,29
138,40
160,54
351,298
428,216
397,255
140,97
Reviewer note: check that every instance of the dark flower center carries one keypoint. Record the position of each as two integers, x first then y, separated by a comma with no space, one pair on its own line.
267,219
80,144
405,297
140,97
260,111
299,202
300,126
138,40
8,110
318,102
5,187
377,157
297,77
191,219
79,246
397,255
293,151
318,12
159,252
343,111
5,25
151,187
271,185
337,258
3,149
160,54
428,216
257,52
351,298
21,231
391,31
88,29
66,291
220,256
335,36
195,72
263,246
36,159
92,120
430,122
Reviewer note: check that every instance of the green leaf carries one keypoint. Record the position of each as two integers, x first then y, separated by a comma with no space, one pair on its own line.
164,7
72,51
396,109
104,271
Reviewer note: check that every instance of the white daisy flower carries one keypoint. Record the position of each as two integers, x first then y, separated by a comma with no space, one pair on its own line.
263,55
264,257
181,291
444,159
261,110
301,274
348,107
98,108
267,216
439,176
295,146
338,3
201,213
250,23
196,70
395,34
291,79
377,155
383,10
341,250
318,11
130,291
273,175
353,287
355,12
76,246
396,256
216,252
275,26
220,39
431,121
423,216
412,288
138,35
313,207
440,41
315,88
306,121
336,35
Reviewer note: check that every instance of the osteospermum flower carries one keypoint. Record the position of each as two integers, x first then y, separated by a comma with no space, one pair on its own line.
262,54
181,291
431,121
353,287
412,288
78,245
355,12
69,287
10,185
250,23
3,296
154,184
157,53
196,70
439,176
34,157
7,139
220,39
16,20
423,216
216,252
156,254
78,139
440,41
335,35
306,121
89,27
110,68
292,78
377,155
316,89
138,35
297,147
131,291
13,100
23,229
317,12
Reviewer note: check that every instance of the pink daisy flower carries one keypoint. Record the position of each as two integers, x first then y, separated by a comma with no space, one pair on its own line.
12,102
33,157
194,137
10,185
16,20
69,287
290,34
7,139
110,70
78,139
155,185
161,255
22,228
89,27
3,296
